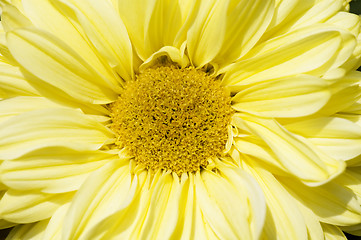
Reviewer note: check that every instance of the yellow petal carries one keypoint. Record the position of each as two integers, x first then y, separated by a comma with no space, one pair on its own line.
295,154
283,218
345,92
46,16
28,207
151,24
176,56
299,13
105,30
331,202
315,49
226,30
53,230
314,228
55,63
33,231
338,137
13,83
289,97
17,105
227,203
333,232
52,170
106,191
50,127
12,18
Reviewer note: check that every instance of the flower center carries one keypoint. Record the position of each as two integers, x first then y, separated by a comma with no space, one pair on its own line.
172,119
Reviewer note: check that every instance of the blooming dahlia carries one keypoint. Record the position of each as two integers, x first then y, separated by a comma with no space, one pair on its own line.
189,119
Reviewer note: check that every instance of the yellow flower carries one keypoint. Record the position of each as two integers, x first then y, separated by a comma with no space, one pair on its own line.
189,119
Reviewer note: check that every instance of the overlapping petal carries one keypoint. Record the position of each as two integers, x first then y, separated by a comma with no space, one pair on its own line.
226,30
52,170
105,30
332,203
50,127
295,154
231,203
283,218
153,24
288,97
314,50
56,63
31,206
33,231
13,83
338,137
107,190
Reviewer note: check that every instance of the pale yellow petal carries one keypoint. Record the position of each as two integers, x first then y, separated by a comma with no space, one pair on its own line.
54,62
283,218
345,92
12,18
50,127
332,203
333,232
106,191
13,83
33,231
53,230
174,54
337,137
314,228
227,204
17,105
313,50
52,170
32,206
44,15
226,30
289,97
295,154
152,24
258,149
105,30
301,13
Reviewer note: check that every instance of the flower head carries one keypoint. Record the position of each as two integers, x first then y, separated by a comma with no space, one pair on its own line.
193,119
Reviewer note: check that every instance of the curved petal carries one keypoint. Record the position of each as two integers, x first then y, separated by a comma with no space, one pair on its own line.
17,105
53,230
333,232
338,137
50,127
226,30
52,170
302,13
28,207
295,154
33,231
152,24
314,50
283,219
288,97
105,30
57,64
13,83
167,207
231,203
105,191
44,15
176,56
332,203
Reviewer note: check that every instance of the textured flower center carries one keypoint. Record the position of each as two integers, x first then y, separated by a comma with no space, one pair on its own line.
172,119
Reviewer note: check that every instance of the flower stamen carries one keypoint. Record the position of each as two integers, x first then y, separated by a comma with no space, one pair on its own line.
172,119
